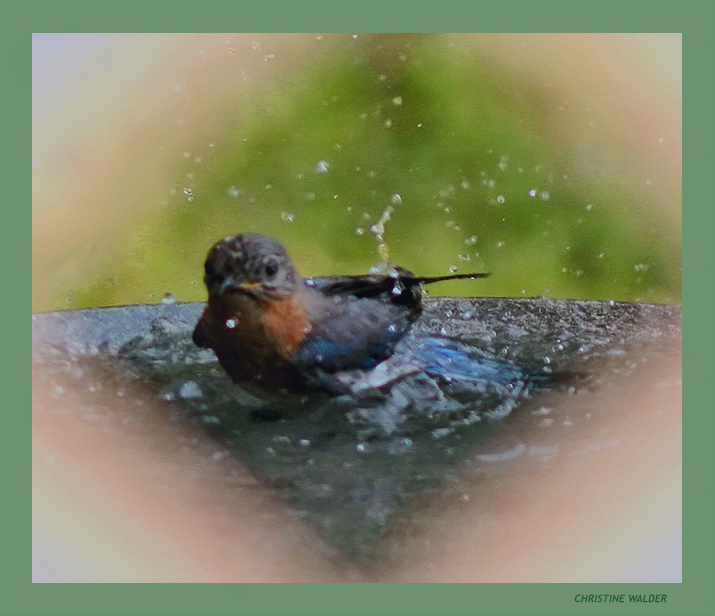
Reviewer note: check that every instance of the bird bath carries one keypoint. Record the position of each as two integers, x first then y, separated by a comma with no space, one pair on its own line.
368,499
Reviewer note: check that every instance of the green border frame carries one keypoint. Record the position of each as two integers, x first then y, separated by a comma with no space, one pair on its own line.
696,20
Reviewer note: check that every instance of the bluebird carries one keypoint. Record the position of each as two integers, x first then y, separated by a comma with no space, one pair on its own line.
274,329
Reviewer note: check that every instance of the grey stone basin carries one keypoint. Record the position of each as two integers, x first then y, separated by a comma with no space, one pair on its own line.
365,493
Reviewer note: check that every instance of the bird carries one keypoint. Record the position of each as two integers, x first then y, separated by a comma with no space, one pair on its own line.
276,331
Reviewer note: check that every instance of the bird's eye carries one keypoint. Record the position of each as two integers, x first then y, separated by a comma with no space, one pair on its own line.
270,268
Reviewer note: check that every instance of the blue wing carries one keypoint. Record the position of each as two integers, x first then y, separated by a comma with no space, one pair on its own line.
455,362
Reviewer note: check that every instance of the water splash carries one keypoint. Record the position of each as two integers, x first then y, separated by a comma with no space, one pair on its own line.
378,230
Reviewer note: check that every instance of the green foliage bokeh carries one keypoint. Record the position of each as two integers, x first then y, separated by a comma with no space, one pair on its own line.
475,179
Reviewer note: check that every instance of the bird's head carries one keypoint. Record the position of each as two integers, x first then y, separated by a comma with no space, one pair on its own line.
250,265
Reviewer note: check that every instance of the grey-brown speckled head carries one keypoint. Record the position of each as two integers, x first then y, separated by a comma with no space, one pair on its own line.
250,264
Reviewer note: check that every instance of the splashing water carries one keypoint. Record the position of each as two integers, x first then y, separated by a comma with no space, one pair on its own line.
378,230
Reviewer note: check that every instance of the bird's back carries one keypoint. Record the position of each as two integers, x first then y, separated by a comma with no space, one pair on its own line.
356,321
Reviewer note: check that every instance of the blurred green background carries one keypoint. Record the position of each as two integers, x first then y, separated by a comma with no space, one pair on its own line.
470,159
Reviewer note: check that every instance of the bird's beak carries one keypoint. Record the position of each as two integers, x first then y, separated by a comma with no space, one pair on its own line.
230,285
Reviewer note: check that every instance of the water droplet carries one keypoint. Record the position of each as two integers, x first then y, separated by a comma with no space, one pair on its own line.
504,163
588,207
501,199
388,123
269,57
453,269
398,288
256,45
169,298
471,240
322,167
190,390
397,101
446,192
287,217
641,267
464,257
231,323
533,193
359,231
545,195
233,192
396,199
465,185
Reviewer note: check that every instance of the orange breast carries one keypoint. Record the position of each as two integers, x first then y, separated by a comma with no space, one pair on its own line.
288,323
